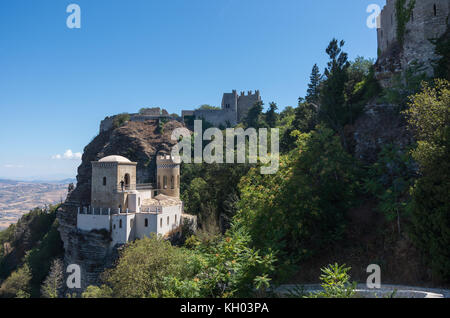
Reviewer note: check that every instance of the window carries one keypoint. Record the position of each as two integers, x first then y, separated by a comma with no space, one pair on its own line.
159,182
175,219
178,181
127,179
172,182
412,16
114,226
139,201
167,220
165,182
120,223
104,181
160,222
435,10
146,222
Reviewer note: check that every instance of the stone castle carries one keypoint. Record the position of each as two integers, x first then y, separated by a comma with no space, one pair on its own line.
429,20
130,211
234,109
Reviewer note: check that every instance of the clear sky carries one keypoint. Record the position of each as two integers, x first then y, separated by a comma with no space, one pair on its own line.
57,84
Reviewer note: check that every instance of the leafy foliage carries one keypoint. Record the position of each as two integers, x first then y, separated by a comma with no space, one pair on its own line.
301,208
390,179
120,120
429,118
335,283
17,284
220,268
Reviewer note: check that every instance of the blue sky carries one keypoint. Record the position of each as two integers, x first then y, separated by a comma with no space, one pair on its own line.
57,84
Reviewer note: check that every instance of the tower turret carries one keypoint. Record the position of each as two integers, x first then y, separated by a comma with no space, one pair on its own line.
167,175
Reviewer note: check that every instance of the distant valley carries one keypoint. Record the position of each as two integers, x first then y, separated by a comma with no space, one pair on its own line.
19,197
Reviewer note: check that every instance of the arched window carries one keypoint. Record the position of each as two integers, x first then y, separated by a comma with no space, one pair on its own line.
435,9
104,181
172,182
165,182
120,223
146,222
167,220
127,179
160,222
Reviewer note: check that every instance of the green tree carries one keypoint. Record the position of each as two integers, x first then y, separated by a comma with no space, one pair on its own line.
254,116
312,94
51,288
17,284
272,115
333,108
143,265
429,118
302,207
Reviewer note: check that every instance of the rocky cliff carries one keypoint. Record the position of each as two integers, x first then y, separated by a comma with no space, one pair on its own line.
139,142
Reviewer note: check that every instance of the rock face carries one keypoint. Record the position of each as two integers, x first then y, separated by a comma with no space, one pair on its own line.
137,141
379,125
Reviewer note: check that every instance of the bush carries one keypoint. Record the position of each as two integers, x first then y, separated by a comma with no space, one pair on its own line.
120,120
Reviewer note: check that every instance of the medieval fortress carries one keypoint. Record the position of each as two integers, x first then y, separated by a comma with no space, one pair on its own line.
429,20
234,109
130,211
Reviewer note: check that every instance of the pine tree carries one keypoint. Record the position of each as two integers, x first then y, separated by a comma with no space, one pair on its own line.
333,110
312,95
271,115
53,283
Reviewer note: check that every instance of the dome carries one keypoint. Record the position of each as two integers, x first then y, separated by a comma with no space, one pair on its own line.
119,159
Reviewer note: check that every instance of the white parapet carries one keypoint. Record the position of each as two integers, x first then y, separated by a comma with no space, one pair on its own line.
89,222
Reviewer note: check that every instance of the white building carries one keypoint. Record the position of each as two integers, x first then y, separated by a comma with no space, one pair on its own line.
130,211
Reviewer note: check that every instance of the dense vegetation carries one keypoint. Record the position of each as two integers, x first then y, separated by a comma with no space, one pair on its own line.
26,252
255,230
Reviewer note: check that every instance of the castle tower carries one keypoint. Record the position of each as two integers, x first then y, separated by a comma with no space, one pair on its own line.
111,176
167,175
245,102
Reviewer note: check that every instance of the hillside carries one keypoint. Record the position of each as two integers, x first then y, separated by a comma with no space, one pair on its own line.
19,197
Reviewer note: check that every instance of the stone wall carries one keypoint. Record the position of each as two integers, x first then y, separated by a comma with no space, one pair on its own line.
429,20
216,117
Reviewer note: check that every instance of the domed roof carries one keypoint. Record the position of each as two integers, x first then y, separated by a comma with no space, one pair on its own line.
115,159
